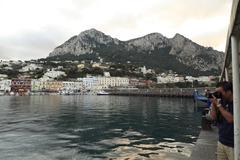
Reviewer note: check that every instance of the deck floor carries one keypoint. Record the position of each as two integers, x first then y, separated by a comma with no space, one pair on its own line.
206,146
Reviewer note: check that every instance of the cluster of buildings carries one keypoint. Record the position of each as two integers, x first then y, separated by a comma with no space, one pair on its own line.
48,83
88,84
93,84
175,78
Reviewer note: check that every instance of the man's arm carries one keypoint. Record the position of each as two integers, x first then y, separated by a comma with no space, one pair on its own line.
227,115
213,113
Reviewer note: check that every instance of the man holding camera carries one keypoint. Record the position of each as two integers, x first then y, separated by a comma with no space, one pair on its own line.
222,112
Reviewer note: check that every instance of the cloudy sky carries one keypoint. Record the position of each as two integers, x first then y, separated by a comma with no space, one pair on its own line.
31,29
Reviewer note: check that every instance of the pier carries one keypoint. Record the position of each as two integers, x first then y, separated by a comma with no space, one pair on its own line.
162,92
206,146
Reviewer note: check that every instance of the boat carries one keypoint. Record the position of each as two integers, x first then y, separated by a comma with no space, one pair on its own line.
200,100
102,93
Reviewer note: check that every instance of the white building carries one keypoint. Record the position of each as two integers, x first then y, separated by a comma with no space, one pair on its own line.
60,67
17,62
144,70
36,85
96,64
204,79
54,74
179,79
5,85
8,68
89,83
81,66
106,82
106,74
165,79
171,78
6,63
73,86
3,76
30,67
199,79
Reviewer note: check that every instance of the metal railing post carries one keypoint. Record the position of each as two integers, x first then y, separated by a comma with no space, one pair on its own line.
226,75
236,96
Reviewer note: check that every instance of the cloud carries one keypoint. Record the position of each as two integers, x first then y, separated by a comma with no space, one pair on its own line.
30,45
190,18
217,39
32,29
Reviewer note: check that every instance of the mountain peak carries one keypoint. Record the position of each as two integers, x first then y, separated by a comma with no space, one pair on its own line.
91,31
178,36
150,41
180,50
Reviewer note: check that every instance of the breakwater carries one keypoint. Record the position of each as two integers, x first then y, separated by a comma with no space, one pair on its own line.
160,92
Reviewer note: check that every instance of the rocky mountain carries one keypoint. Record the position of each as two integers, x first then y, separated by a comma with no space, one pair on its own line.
179,53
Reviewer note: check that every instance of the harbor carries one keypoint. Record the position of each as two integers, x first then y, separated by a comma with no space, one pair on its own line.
120,80
97,127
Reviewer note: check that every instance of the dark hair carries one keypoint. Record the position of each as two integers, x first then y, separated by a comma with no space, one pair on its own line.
227,86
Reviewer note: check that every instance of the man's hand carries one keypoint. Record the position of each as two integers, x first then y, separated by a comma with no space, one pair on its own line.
227,115
214,101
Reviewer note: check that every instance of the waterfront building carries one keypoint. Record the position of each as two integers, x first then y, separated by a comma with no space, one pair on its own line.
21,86
72,86
5,85
112,81
103,82
134,82
140,82
36,85
89,82
52,86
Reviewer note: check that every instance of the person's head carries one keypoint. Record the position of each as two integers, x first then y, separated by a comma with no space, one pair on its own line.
226,90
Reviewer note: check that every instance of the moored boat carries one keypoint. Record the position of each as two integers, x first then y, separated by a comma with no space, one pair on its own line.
102,93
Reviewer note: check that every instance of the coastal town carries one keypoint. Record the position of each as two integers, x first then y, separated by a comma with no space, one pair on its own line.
36,77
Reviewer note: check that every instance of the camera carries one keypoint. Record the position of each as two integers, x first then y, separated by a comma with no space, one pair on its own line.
218,95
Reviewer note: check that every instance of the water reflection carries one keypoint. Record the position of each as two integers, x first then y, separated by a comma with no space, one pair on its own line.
100,127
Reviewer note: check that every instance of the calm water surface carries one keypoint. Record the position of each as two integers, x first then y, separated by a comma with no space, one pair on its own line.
96,127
